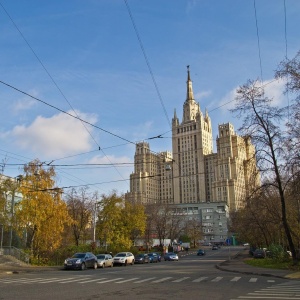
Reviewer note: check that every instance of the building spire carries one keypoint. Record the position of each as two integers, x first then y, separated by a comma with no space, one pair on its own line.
189,93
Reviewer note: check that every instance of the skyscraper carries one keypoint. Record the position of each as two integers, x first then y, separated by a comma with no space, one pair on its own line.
192,172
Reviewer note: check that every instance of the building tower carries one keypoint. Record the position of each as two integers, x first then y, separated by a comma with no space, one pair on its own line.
191,141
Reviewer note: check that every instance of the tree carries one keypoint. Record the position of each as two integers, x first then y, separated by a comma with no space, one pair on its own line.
263,123
80,208
119,223
41,214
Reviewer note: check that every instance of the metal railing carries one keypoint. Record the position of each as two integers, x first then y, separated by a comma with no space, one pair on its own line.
16,253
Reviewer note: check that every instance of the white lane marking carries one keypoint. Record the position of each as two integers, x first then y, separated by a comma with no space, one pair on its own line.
180,279
217,279
200,279
127,280
144,280
161,280
92,280
236,279
253,280
110,280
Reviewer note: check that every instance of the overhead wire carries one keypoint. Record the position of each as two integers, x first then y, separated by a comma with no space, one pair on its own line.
147,61
258,42
56,85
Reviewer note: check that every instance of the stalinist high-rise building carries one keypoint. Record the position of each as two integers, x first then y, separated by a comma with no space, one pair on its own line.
192,172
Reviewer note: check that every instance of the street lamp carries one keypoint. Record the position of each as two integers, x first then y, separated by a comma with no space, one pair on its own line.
12,209
169,167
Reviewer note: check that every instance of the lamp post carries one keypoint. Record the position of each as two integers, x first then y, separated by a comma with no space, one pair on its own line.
169,167
12,209
1,238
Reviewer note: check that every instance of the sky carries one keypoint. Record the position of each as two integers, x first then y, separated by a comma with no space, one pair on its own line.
82,81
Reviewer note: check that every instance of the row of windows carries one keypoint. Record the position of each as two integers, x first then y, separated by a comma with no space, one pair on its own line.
186,128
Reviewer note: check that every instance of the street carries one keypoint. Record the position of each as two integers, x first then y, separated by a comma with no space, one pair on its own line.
192,277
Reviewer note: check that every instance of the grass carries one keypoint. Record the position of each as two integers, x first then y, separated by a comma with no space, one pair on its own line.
272,264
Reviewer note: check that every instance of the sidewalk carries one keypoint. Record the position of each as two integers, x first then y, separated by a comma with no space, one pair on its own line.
237,265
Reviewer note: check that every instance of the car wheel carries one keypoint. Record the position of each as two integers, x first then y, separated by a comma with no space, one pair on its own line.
125,264
95,265
83,266
132,263
103,265
111,265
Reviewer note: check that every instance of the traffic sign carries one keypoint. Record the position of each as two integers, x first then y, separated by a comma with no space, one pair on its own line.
228,241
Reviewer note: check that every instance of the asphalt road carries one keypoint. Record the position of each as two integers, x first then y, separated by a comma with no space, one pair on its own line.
192,277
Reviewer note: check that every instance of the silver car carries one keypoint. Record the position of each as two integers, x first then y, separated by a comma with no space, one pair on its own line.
104,260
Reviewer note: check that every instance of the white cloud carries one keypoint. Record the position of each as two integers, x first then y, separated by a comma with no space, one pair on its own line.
274,89
25,103
201,95
54,137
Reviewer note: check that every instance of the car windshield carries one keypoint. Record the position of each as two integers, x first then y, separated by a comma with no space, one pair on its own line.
150,254
78,255
171,253
101,256
121,255
140,255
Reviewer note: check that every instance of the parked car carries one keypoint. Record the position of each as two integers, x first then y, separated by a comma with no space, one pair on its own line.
259,253
158,256
214,247
104,260
153,258
81,261
200,252
171,256
141,259
124,258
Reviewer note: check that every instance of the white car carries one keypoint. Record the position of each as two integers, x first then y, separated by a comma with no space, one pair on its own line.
124,258
104,260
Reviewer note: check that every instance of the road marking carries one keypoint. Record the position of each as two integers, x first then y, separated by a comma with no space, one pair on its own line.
110,280
236,279
127,280
144,280
217,279
253,280
161,280
91,280
200,279
180,279
70,281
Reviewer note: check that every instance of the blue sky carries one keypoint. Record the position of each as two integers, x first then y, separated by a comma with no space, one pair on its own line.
86,56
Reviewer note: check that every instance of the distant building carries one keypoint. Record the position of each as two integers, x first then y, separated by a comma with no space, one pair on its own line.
192,172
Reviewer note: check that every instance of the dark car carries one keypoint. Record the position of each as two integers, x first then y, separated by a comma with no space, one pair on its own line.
158,256
81,261
142,259
153,258
171,256
259,253
200,252
214,247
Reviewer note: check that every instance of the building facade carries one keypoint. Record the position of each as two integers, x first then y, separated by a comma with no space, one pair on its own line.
192,172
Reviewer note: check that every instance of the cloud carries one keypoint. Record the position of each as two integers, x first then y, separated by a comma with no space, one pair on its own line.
201,95
274,89
25,103
56,136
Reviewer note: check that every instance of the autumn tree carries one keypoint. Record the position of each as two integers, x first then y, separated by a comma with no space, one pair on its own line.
41,214
80,205
119,222
264,124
